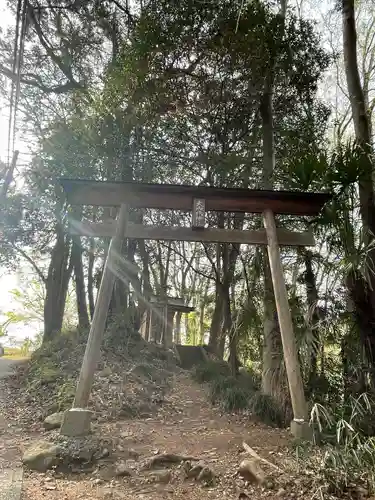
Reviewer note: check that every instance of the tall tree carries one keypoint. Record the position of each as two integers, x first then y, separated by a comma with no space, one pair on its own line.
362,287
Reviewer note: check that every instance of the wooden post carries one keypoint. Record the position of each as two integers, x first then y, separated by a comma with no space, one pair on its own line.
285,321
100,313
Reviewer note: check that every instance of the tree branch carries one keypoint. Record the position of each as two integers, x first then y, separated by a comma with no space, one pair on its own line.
30,261
64,68
124,9
187,261
36,81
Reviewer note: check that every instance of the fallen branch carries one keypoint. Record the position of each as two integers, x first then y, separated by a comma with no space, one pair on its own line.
255,455
165,459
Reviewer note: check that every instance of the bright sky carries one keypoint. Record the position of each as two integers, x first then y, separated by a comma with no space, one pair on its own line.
5,21
9,281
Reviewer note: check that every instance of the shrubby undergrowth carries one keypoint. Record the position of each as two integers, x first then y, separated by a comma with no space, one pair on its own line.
241,393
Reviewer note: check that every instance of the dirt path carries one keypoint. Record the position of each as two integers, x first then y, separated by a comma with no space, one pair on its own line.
10,467
186,425
7,366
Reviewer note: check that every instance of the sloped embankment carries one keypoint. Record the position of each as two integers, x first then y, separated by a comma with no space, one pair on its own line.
131,379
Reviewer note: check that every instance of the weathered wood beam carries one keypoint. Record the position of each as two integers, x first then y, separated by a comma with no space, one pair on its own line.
113,262
141,232
292,363
180,197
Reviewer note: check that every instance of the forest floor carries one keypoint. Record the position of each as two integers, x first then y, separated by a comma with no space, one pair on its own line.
144,406
185,425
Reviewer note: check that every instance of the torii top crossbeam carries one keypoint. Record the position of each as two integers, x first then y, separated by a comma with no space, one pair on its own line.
180,197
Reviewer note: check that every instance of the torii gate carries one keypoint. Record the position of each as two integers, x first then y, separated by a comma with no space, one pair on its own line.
197,199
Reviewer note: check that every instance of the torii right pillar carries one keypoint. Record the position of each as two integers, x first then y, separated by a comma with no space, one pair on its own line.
300,427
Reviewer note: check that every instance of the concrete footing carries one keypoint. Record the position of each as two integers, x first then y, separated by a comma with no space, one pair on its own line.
301,430
76,422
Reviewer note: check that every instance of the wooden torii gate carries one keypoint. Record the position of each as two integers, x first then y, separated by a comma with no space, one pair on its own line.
198,200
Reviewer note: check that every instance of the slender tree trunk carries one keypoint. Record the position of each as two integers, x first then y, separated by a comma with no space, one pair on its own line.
79,278
313,318
57,282
201,314
362,290
272,381
359,115
9,176
359,295
147,289
226,325
187,330
177,328
90,277
216,321
273,374
120,292
144,305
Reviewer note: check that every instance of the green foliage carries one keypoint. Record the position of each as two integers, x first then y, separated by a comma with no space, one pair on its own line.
3,331
220,386
48,373
239,393
229,394
267,409
346,460
211,370
65,395
250,378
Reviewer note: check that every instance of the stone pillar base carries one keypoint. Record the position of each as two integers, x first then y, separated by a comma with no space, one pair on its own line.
301,430
76,422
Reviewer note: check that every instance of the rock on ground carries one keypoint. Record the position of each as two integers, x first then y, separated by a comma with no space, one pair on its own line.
53,421
41,456
251,471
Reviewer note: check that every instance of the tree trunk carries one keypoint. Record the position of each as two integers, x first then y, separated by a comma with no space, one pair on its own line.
313,318
364,299
187,330
90,277
144,301
57,282
79,278
359,294
273,373
201,315
226,327
216,321
359,115
177,327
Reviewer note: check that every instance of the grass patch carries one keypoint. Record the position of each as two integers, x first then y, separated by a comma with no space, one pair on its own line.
220,386
16,353
238,393
267,409
211,370
229,394
343,466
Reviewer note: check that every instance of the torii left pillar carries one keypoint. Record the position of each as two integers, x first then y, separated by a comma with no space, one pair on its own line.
77,420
